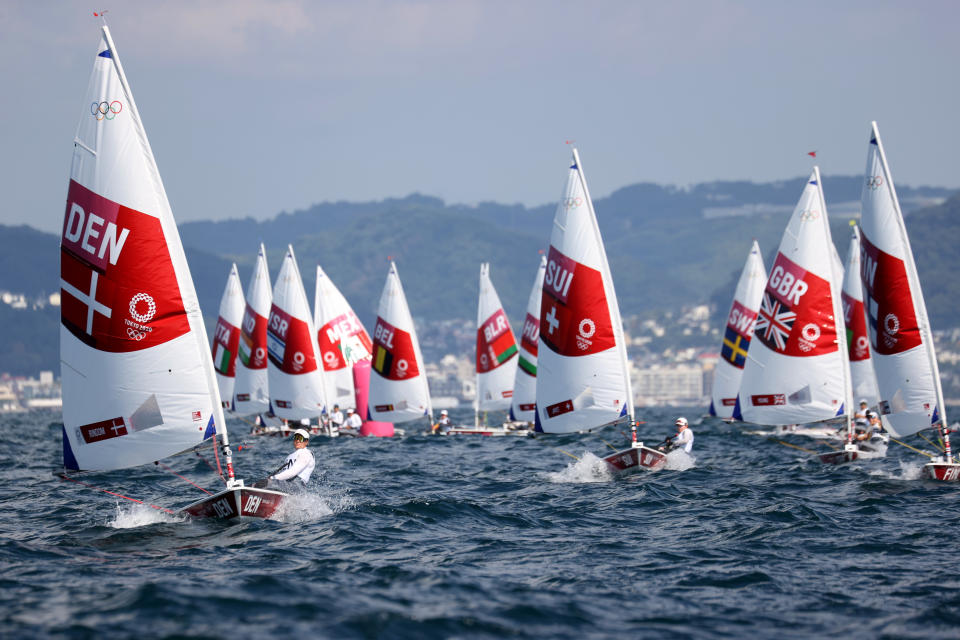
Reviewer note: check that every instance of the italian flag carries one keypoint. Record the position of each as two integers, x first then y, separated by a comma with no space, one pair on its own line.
221,361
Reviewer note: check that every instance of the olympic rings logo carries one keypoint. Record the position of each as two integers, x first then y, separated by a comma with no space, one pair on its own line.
151,308
570,203
134,334
105,110
587,328
891,324
874,182
809,214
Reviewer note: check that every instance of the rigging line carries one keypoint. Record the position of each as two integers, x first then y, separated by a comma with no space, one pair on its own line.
787,444
561,451
608,444
64,476
199,455
160,464
929,455
931,442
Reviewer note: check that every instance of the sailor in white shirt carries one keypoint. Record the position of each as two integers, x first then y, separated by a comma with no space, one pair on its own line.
353,422
298,464
336,417
684,438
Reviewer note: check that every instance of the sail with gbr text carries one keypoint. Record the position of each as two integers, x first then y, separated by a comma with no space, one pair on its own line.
583,378
523,406
795,371
398,385
908,378
737,334
251,389
341,338
138,381
296,380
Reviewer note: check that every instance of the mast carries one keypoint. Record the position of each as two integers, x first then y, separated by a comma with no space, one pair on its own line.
920,307
612,304
179,260
838,321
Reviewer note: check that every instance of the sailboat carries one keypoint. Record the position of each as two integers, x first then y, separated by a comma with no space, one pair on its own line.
342,341
138,381
524,402
295,378
796,371
398,384
226,337
737,334
862,376
583,377
251,388
496,362
908,378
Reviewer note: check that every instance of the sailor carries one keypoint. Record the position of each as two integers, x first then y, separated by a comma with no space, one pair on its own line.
875,427
860,417
444,423
296,469
354,422
336,417
683,439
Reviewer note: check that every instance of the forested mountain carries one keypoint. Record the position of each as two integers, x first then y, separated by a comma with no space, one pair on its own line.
668,247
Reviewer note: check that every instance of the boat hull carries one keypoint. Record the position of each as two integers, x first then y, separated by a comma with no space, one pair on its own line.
485,431
238,503
838,457
635,459
943,471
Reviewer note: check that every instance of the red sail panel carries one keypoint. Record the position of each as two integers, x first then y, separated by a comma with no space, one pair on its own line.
574,315
888,301
394,357
288,343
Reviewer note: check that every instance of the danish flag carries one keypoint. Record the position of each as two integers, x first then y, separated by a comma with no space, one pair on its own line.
774,322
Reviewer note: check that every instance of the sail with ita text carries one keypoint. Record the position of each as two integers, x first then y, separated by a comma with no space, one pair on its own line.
226,336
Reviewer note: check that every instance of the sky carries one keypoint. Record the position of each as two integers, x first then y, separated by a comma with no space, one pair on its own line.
257,107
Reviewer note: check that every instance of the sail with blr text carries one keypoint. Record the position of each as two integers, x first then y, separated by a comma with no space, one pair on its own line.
737,334
523,406
796,371
251,388
908,378
138,380
226,336
496,357
398,383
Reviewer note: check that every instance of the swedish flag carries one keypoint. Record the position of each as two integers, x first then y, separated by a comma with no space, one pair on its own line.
734,348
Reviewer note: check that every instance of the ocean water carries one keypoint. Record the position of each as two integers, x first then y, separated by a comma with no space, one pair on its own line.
472,537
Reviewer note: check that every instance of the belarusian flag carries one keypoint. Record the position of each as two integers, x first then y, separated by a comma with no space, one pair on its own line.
503,347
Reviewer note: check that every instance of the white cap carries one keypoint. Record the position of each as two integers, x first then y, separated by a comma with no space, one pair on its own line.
350,410
302,432
444,412
681,422
863,401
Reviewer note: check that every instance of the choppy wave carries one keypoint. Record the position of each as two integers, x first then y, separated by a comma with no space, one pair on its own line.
486,538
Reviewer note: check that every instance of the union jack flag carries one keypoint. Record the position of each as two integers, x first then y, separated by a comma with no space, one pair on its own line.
774,322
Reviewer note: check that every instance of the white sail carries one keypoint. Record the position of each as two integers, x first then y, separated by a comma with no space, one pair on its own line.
795,370
862,377
398,386
583,379
738,333
138,381
523,406
908,378
226,336
251,389
496,357
342,340
296,380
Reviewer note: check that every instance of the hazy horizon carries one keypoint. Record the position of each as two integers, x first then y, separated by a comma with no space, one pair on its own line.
256,108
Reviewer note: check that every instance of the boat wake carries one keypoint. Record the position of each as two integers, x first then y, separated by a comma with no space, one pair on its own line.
589,468
310,505
679,460
140,515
